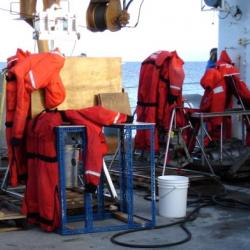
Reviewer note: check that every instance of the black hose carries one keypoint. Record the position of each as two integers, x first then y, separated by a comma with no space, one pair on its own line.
230,203
202,201
192,216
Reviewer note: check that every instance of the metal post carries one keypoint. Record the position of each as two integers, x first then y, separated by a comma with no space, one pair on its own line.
122,165
168,141
238,95
221,141
152,176
129,165
61,170
110,182
201,145
202,139
4,186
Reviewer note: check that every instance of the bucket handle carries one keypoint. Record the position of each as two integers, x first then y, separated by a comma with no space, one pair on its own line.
174,187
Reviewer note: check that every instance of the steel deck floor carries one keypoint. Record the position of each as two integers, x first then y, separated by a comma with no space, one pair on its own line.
215,228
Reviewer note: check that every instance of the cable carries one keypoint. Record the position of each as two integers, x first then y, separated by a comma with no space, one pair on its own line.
138,17
231,203
127,6
224,17
202,201
191,217
73,49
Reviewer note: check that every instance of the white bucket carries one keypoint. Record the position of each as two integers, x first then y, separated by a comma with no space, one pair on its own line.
172,195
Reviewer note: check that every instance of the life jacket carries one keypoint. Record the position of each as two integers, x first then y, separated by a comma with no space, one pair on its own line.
41,201
16,159
36,71
159,91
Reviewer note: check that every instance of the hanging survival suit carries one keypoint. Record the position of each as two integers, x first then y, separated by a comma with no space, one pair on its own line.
221,84
41,202
237,87
159,91
27,74
37,71
213,100
16,159
94,118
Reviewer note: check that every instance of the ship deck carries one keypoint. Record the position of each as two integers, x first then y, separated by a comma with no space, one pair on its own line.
217,226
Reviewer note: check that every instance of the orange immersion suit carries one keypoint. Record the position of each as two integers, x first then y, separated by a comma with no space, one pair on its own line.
159,91
27,73
41,202
237,87
17,164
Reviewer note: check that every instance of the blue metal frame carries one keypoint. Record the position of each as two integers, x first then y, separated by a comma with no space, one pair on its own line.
126,170
126,183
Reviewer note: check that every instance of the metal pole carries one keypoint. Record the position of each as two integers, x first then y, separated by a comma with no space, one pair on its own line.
237,92
4,185
168,141
205,156
109,180
115,155
201,144
221,141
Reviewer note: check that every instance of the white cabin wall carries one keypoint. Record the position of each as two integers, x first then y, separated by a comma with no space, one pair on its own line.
231,31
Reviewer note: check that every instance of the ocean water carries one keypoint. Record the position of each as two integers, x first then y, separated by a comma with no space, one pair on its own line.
2,65
193,74
131,71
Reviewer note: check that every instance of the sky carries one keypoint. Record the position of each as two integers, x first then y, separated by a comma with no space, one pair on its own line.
164,25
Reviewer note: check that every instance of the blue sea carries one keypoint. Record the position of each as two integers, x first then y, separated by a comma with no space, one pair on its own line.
193,74
130,78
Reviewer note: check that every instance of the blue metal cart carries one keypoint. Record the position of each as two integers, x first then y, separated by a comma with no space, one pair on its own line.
126,196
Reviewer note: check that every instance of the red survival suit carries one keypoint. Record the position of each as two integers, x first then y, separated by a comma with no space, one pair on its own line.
16,157
236,86
29,73
41,203
220,84
41,200
213,100
159,91
94,118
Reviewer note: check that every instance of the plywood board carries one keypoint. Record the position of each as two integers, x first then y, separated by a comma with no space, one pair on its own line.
84,78
118,102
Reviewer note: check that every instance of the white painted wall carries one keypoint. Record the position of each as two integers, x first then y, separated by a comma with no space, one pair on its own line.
232,31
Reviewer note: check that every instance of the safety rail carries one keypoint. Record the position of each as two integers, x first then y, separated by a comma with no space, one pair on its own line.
227,113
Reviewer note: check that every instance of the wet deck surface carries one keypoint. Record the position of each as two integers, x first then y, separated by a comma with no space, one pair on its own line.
216,227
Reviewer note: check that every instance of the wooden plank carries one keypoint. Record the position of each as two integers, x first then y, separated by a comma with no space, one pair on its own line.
112,143
84,78
9,229
118,102
124,217
8,215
